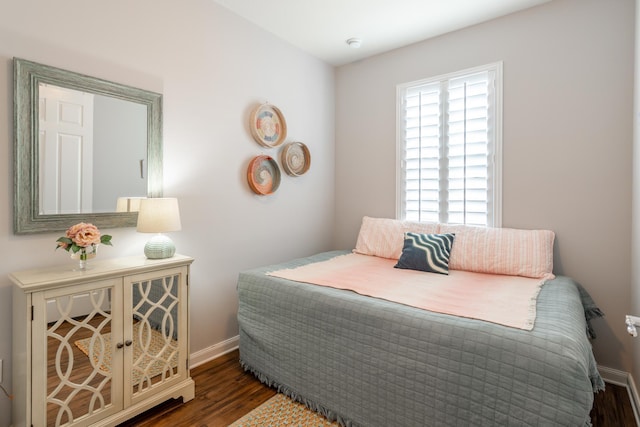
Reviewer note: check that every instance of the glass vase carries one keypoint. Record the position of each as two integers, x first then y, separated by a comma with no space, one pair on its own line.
84,255
82,259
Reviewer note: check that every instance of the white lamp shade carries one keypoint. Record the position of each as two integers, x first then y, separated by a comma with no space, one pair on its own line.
159,215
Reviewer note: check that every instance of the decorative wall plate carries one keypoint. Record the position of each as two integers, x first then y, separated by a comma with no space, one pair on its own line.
263,175
268,126
296,159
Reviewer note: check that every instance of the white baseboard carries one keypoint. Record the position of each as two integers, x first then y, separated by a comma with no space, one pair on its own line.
623,379
614,376
205,355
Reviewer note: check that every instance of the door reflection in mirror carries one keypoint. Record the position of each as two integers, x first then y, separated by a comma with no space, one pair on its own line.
91,150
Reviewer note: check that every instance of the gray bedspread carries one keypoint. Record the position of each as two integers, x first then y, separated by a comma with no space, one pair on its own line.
369,362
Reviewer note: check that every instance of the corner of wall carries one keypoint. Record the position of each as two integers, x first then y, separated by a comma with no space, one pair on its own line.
635,206
212,352
623,379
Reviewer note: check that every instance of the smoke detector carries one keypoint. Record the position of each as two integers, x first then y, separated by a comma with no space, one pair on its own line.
354,42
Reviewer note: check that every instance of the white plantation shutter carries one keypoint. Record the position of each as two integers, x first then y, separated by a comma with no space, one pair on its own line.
449,148
422,153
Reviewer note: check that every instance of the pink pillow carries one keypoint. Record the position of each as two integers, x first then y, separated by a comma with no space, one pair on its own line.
527,253
384,237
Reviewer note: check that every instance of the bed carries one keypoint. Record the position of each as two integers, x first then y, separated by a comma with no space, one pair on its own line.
367,361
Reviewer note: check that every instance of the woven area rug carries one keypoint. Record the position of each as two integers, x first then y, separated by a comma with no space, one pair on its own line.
282,411
155,347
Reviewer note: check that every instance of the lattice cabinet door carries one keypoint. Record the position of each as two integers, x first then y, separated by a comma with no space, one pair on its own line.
98,347
77,353
156,319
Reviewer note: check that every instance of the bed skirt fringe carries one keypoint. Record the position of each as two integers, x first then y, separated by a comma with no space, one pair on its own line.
591,310
292,394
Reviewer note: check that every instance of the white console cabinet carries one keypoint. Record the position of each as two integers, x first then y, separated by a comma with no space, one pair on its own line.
100,346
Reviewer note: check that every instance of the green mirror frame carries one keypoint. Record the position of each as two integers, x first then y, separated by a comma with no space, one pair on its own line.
27,77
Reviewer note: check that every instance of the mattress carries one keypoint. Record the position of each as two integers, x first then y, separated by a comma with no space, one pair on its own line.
369,362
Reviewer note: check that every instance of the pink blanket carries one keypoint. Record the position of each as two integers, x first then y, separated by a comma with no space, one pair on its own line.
506,300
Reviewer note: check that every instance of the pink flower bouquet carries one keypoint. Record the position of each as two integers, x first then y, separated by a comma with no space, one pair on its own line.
83,237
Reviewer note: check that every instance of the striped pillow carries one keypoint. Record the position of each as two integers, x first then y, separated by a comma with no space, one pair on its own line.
384,237
527,253
426,252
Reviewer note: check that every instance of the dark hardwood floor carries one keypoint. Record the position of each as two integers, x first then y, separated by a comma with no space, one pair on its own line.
612,408
224,393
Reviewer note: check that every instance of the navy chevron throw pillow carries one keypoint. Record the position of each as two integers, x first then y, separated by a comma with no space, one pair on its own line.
426,252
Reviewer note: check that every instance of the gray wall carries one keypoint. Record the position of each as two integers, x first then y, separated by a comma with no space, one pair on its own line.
120,142
212,68
568,97
635,251
568,69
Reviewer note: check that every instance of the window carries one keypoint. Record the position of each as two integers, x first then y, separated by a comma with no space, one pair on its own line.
449,148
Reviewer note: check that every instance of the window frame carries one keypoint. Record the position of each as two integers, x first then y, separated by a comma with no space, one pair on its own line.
494,215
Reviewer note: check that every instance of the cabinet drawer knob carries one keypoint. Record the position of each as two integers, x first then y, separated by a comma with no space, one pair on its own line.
128,343
119,345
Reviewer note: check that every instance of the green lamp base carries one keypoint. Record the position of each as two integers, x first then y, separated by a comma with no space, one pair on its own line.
159,246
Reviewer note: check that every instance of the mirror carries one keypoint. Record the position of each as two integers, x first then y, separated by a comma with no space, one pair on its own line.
84,366
82,145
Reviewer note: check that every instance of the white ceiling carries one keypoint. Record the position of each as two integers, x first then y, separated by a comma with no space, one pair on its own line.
321,27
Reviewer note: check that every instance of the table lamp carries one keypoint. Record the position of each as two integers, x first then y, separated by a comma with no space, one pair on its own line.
159,215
